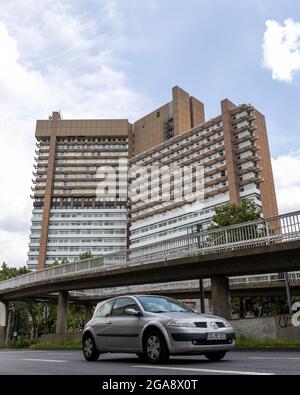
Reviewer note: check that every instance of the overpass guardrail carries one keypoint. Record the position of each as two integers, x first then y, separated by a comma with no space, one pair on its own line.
261,279
262,232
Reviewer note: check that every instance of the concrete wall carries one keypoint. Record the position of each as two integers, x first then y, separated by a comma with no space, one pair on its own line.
54,338
2,334
285,328
277,327
3,319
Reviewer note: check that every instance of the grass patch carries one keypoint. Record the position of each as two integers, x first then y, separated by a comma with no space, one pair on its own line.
20,344
244,341
36,345
57,346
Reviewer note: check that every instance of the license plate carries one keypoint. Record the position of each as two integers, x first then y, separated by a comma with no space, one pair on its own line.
216,336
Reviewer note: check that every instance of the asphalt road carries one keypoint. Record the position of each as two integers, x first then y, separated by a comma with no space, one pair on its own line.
73,363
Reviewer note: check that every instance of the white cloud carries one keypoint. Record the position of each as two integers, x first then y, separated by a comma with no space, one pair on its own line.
52,58
282,49
286,170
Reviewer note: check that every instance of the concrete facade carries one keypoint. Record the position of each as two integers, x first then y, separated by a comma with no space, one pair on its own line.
3,322
62,313
232,148
277,327
70,216
233,152
275,258
181,114
220,296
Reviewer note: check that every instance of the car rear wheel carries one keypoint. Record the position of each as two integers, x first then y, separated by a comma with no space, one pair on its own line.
215,356
155,348
89,349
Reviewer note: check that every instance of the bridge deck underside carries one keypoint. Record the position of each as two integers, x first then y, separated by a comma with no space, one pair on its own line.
249,261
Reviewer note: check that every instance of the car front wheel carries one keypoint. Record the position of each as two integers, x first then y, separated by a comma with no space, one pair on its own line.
89,349
215,356
155,348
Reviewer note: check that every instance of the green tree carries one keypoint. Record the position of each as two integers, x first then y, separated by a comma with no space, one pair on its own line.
7,272
85,255
232,214
18,312
31,319
76,315
57,262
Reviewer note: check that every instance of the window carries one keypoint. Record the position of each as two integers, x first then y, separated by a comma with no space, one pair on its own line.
105,309
122,304
156,304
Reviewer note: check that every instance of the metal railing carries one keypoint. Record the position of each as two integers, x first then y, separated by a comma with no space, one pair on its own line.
54,272
263,232
192,285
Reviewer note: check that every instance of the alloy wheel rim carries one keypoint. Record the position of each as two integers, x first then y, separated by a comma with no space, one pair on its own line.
88,347
153,347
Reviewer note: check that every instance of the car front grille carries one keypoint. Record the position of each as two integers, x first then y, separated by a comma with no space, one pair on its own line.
200,324
220,324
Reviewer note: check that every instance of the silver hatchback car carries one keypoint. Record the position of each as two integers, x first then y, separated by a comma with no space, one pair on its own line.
155,327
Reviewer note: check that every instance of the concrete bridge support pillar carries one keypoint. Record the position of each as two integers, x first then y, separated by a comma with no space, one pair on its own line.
220,294
88,313
62,313
3,322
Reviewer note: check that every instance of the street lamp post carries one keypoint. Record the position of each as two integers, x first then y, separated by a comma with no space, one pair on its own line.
202,296
288,291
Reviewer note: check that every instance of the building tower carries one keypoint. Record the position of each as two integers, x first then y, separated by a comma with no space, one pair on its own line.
71,217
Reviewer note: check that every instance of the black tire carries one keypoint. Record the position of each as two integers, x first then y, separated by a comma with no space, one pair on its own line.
155,348
89,348
215,356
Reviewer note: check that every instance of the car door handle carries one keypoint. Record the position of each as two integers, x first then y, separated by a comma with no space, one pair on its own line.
109,323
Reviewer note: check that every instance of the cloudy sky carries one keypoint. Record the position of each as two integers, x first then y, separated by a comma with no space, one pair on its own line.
120,58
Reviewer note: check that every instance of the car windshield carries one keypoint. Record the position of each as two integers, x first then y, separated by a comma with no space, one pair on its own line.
156,304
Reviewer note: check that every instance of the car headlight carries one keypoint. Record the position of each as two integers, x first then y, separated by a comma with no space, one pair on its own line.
227,324
180,324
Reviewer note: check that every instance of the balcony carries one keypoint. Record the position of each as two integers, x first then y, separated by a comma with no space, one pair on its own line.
216,192
250,169
252,180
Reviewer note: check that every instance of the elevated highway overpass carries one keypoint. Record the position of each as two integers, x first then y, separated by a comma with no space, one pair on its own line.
270,245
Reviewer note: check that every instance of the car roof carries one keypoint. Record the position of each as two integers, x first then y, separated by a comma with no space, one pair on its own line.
132,296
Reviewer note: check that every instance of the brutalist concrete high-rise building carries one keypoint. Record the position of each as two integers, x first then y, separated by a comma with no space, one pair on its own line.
70,216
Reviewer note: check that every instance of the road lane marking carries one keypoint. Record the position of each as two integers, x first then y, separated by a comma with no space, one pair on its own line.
57,353
45,360
238,372
15,352
276,358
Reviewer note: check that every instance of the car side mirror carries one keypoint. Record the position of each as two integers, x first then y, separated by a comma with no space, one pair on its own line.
132,312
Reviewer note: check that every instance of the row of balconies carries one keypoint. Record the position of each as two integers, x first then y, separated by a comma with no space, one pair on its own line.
247,117
70,243
253,180
146,160
248,137
249,169
246,148
253,158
